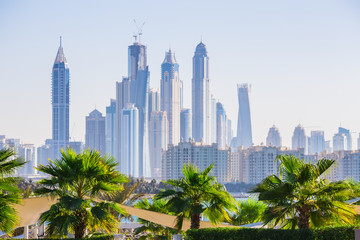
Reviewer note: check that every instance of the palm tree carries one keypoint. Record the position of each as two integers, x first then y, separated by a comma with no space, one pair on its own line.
9,192
78,180
301,198
195,194
151,229
248,211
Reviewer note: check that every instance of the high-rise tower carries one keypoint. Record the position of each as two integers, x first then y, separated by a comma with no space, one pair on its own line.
170,95
244,131
299,139
134,89
60,103
95,132
273,138
201,98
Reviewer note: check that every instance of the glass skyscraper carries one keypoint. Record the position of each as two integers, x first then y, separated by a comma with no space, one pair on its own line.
201,98
60,103
244,131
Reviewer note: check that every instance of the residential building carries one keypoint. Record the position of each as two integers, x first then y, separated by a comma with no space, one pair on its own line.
185,124
273,138
158,141
317,142
95,132
200,155
201,97
244,130
60,103
222,132
110,121
154,100
129,163
170,95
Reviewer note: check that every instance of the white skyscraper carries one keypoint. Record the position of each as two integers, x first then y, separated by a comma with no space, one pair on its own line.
158,141
170,95
201,98
244,131
129,164
213,127
27,152
273,138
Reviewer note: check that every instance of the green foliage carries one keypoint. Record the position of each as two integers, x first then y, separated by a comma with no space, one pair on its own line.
153,230
248,211
198,193
97,237
9,192
78,180
300,197
329,233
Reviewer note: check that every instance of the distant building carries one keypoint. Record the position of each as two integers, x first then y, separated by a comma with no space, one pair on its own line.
222,132
2,141
154,100
27,152
201,98
60,103
200,155
358,142
185,124
299,139
110,121
253,164
244,130
44,153
339,142
273,138
213,127
129,164
95,132
170,95
347,135
317,142
77,146
158,141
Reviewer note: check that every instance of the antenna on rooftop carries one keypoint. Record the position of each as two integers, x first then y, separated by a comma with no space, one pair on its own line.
139,30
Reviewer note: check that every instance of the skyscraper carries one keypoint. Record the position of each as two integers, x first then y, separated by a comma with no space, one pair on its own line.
60,103
298,139
221,126
95,132
213,127
170,95
347,134
273,138
201,98
158,140
154,101
110,127
317,142
138,73
339,142
122,99
129,163
185,124
244,131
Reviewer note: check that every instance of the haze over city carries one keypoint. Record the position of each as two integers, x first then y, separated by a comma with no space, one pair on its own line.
301,58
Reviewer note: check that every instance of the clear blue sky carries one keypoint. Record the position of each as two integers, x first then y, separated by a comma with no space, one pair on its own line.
301,57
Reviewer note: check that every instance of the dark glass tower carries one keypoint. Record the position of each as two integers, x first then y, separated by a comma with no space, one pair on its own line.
60,103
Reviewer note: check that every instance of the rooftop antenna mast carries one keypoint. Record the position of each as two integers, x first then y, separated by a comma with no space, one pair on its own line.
139,30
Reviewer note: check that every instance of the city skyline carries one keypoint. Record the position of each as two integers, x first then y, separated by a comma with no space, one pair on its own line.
324,87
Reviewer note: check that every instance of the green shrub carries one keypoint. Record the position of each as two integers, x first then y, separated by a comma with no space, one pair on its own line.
328,233
100,237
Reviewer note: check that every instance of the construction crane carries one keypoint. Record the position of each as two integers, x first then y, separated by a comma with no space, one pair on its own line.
139,31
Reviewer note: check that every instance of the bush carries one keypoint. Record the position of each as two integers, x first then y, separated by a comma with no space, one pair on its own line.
100,237
328,233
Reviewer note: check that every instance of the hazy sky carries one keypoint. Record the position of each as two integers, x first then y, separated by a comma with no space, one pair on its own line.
301,57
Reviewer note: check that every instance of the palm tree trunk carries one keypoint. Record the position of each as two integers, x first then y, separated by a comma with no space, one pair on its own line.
80,227
195,220
304,218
